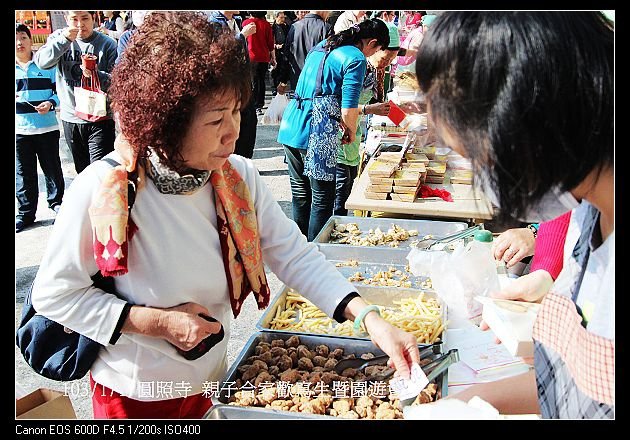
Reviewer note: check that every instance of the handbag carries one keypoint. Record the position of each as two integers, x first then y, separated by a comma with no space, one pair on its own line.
49,348
324,138
90,102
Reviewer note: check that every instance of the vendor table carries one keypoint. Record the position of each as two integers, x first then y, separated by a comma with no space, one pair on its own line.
467,203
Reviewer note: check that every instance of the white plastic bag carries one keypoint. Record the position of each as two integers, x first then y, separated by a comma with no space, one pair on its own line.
273,115
451,274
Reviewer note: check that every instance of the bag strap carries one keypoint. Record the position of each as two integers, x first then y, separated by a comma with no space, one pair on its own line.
320,70
92,83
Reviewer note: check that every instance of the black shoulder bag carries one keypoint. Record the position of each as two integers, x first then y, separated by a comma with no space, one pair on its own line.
49,348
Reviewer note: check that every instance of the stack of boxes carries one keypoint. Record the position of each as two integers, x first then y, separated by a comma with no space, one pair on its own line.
407,181
390,178
459,169
380,171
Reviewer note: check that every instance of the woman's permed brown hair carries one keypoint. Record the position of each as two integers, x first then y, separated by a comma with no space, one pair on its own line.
173,60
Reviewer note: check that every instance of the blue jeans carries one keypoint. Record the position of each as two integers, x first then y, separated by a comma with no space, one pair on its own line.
313,200
28,150
345,178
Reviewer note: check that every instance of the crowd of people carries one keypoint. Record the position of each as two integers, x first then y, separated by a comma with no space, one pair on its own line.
186,135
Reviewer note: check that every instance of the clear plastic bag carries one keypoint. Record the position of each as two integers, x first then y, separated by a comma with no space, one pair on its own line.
456,279
273,115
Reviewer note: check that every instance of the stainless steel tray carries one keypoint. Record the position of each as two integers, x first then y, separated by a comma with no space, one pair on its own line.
357,347
384,296
424,227
371,261
223,411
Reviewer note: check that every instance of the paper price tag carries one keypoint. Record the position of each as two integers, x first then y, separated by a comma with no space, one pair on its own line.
408,388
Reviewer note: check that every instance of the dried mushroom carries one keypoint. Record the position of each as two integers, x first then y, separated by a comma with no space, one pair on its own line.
284,363
265,357
278,351
330,364
319,361
305,363
337,353
293,341
263,377
310,373
322,350
303,351
261,348
291,375
294,357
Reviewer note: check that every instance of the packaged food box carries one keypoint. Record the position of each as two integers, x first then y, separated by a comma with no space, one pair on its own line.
407,178
401,197
391,157
379,188
375,195
381,180
416,157
381,169
441,154
460,176
435,168
437,179
405,189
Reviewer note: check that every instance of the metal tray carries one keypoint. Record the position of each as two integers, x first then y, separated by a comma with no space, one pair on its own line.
223,411
424,227
371,261
383,296
349,346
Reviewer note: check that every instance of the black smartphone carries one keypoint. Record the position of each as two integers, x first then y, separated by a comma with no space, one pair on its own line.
204,346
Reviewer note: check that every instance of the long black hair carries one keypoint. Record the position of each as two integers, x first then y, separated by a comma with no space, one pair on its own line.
372,29
528,95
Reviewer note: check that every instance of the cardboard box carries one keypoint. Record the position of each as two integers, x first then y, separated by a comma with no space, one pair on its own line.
512,322
381,180
44,404
405,189
403,197
379,188
407,178
381,169
375,195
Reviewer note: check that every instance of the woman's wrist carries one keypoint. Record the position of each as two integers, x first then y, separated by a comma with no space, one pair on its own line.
148,321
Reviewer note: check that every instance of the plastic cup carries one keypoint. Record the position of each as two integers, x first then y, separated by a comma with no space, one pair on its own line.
88,61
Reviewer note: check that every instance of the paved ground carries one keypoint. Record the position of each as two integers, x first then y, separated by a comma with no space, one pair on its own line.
30,245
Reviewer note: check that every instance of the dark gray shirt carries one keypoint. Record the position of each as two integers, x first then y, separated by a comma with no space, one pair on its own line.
302,37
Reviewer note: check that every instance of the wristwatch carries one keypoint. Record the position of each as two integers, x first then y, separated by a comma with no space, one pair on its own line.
534,228
52,106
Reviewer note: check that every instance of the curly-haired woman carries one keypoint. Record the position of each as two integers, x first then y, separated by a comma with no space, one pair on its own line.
202,225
